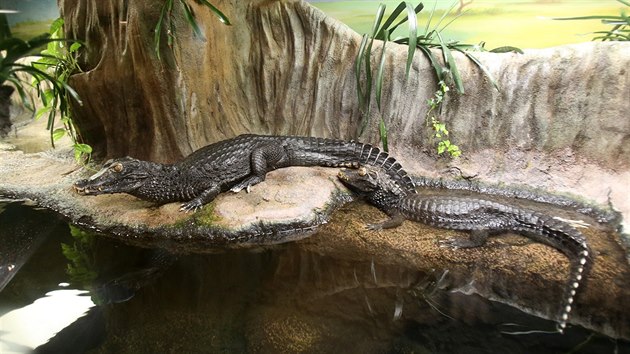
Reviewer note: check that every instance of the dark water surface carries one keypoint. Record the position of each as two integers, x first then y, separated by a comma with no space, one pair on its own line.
66,291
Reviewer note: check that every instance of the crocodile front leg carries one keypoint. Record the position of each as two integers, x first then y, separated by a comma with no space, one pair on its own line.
263,159
205,197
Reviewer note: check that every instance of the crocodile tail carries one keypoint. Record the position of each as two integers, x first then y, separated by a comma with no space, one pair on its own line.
341,153
572,243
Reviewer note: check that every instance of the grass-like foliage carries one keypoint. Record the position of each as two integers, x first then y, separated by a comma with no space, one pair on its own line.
59,59
49,75
166,19
425,38
620,30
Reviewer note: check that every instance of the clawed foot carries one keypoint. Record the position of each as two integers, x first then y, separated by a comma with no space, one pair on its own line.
192,205
247,184
240,187
450,243
374,227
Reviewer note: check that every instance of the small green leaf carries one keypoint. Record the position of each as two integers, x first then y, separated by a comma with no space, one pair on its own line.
58,134
40,112
74,47
83,148
57,25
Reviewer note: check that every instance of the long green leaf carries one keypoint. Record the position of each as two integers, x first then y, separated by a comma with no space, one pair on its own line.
426,28
413,37
56,83
589,18
377,21
158,28
379,73
216,11
451,64
190,17
417,10
437,26
439,71
382,129
390,19
27,100
368,69
358,63
483,69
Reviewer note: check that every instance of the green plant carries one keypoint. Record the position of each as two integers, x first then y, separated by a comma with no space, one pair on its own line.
59,60
439,129
621,25
430,38
166,16
52,88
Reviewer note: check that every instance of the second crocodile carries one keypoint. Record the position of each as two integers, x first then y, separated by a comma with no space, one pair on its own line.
482,216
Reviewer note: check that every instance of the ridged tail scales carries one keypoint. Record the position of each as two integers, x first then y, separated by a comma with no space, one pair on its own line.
308,151
569,241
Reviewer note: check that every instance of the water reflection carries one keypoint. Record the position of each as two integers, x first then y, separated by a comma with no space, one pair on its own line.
28,327
280,299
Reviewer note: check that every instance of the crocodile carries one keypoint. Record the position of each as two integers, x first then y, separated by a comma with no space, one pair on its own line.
481,216
234,164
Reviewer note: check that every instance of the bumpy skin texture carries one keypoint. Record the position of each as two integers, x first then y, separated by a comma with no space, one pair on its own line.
233,164
480,215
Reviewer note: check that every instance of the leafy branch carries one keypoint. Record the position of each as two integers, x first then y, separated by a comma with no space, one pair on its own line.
440,133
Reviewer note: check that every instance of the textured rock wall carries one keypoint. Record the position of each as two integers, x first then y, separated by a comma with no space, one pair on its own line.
286,68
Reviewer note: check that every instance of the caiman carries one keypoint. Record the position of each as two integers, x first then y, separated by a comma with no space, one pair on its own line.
482,216
234,164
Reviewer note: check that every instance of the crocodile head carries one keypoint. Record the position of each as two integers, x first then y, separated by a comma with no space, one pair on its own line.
123,175
374,184
363,181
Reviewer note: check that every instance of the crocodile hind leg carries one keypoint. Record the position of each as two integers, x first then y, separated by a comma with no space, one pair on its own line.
263,159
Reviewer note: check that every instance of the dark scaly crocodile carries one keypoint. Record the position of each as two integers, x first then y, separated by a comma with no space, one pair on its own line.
233,164
480,215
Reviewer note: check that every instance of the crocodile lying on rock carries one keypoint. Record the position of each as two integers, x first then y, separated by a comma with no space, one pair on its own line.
480,215
232,164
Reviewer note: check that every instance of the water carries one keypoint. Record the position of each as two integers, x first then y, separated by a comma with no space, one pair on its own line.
75,292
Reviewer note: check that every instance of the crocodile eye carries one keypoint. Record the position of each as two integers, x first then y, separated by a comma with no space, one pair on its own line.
117,167
362,171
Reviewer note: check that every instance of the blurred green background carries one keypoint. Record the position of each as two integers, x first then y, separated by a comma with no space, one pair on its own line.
520,23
